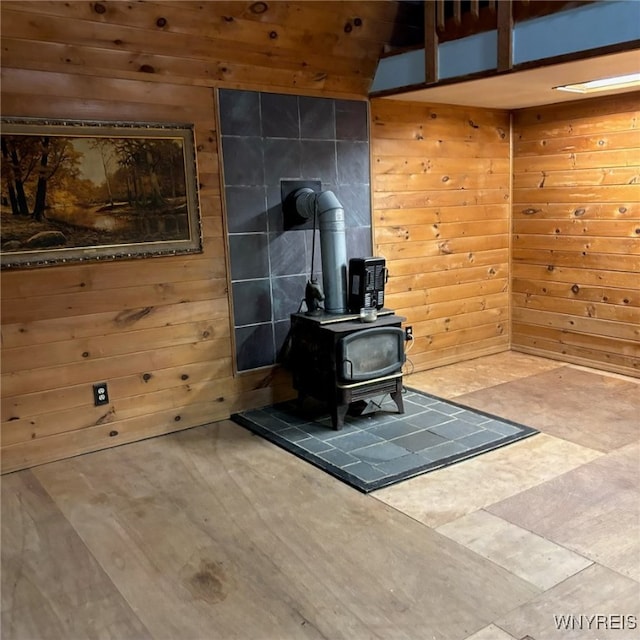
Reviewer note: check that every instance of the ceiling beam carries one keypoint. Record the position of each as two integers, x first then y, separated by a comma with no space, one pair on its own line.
505,35
430,42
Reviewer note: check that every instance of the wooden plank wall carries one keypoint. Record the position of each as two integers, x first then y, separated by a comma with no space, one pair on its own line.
441,188
576,246
157,330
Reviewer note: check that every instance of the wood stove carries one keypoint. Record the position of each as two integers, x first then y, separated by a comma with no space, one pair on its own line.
340,360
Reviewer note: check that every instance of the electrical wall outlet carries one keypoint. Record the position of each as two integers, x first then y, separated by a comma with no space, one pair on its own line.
408,333
100,394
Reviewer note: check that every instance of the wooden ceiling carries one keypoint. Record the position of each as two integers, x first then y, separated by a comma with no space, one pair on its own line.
323,47
316,47
312,46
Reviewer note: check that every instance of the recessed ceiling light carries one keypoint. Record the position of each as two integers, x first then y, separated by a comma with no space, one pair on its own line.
604,84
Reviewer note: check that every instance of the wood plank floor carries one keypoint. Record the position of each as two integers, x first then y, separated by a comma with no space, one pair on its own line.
213,533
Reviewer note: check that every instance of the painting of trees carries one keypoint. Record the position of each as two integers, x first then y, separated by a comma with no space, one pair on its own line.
29,161
67,190
149,169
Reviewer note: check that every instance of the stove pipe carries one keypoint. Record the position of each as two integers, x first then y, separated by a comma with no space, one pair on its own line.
333,246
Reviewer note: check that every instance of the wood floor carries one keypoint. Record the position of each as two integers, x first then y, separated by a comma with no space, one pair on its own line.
213,533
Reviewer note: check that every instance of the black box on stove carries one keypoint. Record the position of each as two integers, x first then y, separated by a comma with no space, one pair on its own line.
367,278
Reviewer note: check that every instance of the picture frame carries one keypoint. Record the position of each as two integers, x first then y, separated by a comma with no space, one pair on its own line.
76,191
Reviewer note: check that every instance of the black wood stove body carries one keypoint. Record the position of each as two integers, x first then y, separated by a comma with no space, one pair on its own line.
340,360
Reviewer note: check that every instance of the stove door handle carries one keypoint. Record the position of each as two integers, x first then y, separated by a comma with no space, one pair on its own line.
345,362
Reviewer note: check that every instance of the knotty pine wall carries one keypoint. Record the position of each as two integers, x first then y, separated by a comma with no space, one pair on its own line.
157,330
576,223
441,198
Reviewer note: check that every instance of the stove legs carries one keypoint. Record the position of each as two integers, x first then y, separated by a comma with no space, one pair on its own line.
356,407
338,412
350,399
396,396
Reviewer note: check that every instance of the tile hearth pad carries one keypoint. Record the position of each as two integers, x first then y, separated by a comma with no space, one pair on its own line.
380,446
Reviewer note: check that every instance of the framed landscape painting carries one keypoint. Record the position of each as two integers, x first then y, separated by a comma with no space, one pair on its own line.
75,191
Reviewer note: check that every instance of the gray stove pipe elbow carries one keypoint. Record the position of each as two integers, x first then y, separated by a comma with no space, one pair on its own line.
333,248
333,245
